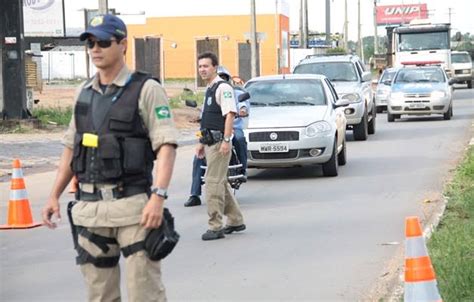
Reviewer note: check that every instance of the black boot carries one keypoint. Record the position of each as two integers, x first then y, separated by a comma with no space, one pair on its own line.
193,201
237,228
213,235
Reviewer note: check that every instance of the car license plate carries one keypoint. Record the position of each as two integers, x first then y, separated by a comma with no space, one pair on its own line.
274,148
417,105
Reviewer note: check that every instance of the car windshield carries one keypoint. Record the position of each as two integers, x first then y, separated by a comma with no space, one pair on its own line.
387,76
286,92
334,71
420,75
423,41
460,58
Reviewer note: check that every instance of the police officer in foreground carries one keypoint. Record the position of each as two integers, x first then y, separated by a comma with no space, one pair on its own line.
216,145
121,124
238,141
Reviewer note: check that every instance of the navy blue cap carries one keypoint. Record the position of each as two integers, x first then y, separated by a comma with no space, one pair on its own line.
104,27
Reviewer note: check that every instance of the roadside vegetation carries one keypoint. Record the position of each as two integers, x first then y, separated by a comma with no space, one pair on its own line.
187,94
57,116
452,245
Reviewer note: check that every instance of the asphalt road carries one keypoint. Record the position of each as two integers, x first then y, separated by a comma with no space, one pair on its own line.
309,237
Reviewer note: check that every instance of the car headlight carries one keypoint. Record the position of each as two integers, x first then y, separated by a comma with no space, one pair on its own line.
438,94
383,92
352,97
317,128
396,95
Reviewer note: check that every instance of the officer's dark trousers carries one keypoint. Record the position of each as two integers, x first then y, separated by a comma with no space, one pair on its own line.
240,147
197,174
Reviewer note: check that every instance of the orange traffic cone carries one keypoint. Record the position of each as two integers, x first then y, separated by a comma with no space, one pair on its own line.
73,185
19,211
420,279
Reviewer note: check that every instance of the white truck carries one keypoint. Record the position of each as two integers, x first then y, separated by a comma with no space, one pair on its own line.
422,42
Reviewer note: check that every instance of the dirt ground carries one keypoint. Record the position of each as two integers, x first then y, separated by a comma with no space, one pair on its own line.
63,96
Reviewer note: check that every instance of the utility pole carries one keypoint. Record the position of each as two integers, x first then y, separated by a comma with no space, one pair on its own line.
103,7
359,39
13,60
303,24
376,38
86,50
253,37
449,9
328,22
306,26
346,27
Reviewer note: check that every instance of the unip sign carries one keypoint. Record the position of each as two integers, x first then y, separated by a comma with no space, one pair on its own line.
400,14
43,18
38,4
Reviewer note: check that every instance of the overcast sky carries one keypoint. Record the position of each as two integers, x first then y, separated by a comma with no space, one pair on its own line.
438,10
461,12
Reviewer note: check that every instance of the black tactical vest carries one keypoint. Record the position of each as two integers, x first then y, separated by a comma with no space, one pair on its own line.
124,154
212,114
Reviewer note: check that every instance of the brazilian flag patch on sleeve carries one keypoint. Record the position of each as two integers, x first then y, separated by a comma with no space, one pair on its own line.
227,95
162,112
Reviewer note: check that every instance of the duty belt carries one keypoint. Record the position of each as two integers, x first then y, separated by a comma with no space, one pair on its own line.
110,193
210,137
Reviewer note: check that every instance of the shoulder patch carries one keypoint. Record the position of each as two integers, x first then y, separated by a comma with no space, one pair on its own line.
227,94
162,112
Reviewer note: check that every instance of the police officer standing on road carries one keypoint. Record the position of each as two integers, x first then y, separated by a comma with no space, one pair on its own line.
238,141
216,144
121,124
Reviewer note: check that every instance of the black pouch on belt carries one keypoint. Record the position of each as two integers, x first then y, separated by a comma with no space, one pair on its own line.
206,137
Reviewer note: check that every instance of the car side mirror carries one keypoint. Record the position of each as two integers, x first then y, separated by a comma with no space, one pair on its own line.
244,96
451,81
342,103
388,83
366,76
191,103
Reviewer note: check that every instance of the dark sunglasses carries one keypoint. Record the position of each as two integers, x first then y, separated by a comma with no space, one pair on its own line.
102,43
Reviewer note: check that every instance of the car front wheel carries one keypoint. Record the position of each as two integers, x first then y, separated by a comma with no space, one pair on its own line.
449,113
360,130
371,129
390,117
330,167
342,156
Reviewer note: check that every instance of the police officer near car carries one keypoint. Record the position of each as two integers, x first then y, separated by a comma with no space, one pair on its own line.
216,145
122,123
238,141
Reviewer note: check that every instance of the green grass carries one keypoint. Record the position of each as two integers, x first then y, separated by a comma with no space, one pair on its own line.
18,129
53,115
452,245
178,101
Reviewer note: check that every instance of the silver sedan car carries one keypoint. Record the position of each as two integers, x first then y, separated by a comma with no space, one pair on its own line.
383,90
296,121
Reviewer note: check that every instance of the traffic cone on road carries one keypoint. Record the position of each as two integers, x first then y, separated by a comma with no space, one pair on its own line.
19,211
420,279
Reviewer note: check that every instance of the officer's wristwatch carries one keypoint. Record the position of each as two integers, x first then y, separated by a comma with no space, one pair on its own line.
227,139
163,193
